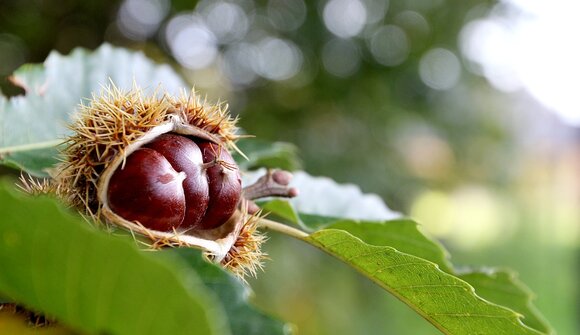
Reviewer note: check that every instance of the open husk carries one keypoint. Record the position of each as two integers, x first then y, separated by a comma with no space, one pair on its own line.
115,124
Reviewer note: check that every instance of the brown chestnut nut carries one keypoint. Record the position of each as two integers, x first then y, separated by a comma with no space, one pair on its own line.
149,190
225,184
184,155
173,182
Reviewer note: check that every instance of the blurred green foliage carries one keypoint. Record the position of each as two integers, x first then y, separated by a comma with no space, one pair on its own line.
430,153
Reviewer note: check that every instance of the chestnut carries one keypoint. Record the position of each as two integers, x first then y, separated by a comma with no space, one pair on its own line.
158,165
225,184
185,156
177,182
148,190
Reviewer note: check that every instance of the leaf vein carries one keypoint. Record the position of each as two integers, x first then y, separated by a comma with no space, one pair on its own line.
471,315
395,266
404,287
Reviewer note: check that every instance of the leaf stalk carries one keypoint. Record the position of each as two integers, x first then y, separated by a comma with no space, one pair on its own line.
282,228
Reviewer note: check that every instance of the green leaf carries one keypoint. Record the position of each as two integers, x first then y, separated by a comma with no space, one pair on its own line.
500,287
282,210
402,235
34,162
94,282
321,198
449,303
266,154
503,288
243,318
33,124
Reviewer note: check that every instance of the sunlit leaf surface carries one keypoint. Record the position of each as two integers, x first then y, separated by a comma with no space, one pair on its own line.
422,262
322,197
449,303
503,288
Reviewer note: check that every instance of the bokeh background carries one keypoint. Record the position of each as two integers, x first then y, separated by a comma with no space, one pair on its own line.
463,114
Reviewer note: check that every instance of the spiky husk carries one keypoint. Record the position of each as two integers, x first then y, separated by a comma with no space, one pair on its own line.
35,186
245,257
110,123
115,124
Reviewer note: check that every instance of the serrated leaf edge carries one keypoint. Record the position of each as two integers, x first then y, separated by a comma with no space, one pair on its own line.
514,317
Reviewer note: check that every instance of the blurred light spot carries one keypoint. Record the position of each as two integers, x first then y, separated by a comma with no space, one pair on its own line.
425,152
140,19
477,12
191,42
531,44
471,217
389,45
428,156
423,5
440,69
332,131
413,22
227,21
431,209
210,80
344,18
286,15
484,41
277,59
341,57
13,53
560,196
237,63
376,10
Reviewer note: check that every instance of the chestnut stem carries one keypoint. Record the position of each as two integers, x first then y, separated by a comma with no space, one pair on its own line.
268,186
282,228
